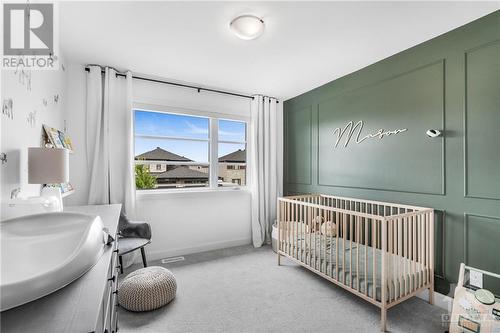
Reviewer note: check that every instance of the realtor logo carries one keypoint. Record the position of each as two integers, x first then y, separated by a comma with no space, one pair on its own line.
28,29
28,35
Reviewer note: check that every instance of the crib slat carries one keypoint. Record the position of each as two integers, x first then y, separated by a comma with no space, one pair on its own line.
421,254
303,229
330,217
399,253
292,230
427,247
315,248
391,251
337,221
309,219
298,227
297,230
431,263
405,253
383,276
411,247
414,251
395,252
324,216
285,225
323,238
320,245
350,245
374,247
344,218
280,227
357,252
366,256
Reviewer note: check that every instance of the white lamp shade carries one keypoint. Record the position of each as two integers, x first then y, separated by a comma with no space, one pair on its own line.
48,165
247,27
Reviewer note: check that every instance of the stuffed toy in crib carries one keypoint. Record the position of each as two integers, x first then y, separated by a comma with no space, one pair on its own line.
327,228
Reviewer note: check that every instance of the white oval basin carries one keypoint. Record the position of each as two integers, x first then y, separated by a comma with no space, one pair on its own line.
44,252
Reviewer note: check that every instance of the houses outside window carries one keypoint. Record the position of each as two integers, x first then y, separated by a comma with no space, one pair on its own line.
232,153
172,151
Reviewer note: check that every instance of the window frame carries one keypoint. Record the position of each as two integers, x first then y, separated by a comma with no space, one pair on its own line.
213,145
236,143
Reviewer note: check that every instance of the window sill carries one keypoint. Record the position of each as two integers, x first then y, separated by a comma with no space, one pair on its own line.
193,191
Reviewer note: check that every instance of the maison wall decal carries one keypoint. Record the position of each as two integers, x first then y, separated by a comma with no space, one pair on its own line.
349,130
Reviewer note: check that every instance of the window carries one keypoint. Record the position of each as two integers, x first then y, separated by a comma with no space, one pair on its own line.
232,153
173,151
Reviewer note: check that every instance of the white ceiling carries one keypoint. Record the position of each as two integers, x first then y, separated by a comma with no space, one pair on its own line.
306,44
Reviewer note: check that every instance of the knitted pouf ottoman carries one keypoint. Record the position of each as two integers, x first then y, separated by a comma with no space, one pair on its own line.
147,289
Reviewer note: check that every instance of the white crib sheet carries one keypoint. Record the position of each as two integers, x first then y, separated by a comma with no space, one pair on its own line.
319,252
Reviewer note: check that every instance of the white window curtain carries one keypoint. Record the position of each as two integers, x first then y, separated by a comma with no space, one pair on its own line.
109,138
267,165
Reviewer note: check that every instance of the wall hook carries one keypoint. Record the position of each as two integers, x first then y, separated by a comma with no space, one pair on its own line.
433,133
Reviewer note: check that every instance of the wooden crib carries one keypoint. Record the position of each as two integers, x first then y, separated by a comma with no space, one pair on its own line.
381,252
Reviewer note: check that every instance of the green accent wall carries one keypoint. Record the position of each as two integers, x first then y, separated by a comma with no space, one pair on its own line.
450,83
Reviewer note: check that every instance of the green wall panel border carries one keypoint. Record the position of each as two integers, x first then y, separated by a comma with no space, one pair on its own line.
495,247
467,192
442,191
307,109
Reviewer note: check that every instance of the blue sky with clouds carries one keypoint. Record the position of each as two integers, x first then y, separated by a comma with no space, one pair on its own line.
164,124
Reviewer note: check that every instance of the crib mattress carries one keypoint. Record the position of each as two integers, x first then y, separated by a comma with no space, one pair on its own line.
319,252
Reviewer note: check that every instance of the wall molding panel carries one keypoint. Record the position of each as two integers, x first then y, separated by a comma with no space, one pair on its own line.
305,142
404,86
484,73
489,221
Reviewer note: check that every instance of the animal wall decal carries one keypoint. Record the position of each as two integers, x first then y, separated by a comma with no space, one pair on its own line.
24,77
349,130
31,119
7,108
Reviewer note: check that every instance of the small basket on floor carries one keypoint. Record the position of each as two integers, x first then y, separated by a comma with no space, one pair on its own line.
147,289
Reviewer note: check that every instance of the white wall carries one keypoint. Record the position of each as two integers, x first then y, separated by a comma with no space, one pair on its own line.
75,124
19,133
182,223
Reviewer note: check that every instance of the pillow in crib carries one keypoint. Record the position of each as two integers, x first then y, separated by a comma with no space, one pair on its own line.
302,227
299,227
329,229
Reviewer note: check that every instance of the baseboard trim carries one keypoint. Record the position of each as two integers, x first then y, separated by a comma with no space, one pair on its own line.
161,254
442,301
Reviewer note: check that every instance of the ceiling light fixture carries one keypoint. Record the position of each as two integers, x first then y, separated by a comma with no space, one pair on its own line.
247,26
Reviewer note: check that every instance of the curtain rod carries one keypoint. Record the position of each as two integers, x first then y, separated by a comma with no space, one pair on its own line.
87,69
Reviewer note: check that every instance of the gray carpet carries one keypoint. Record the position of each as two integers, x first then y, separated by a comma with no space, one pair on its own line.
244,290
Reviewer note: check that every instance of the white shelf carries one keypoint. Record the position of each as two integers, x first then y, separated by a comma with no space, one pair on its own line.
65,194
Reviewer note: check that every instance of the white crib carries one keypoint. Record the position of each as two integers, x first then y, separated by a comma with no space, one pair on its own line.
381,252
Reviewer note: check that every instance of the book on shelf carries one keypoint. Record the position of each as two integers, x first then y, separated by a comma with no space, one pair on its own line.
57,138
64,187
